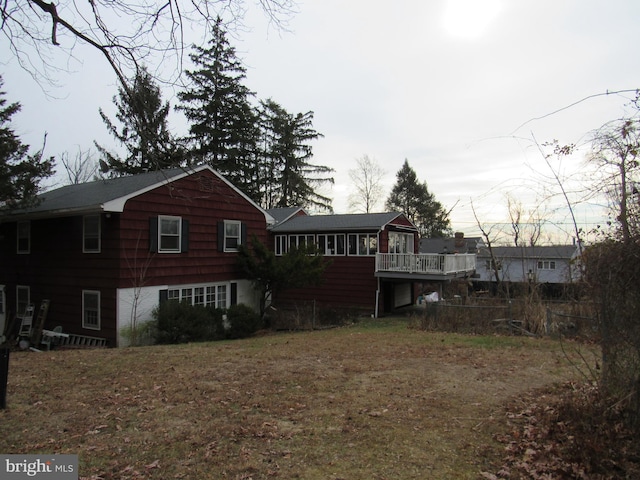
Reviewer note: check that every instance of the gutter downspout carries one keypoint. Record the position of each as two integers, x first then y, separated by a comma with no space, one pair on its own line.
376,312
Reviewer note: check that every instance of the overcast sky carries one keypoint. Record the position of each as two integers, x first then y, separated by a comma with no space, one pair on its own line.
458,88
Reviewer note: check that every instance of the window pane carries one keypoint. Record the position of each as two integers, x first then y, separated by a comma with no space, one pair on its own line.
24,232
91,310
322,244
363,245
339,244
198,296
231,244
232,230
353,244
331,244
187,296
231,235
211,296
222,296
169,226
373,245
169,232
169,243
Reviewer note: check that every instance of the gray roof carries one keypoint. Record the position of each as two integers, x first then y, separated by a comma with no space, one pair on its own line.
336,223
282,214
543,251
97,196
109,195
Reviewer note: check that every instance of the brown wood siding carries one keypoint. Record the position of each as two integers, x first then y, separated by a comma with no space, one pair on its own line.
56,269
203,210
349,281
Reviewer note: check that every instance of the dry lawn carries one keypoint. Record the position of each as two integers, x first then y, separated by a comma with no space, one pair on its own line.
372,401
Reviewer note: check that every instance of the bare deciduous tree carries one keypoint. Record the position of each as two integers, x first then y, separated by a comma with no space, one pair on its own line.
616,152
124,32
82,168
366,180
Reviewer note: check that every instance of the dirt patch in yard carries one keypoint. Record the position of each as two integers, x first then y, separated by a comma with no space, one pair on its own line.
372,401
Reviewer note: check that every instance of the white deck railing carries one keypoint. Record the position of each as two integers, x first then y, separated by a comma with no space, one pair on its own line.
426,263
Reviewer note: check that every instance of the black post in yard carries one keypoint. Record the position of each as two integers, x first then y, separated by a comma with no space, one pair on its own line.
4,375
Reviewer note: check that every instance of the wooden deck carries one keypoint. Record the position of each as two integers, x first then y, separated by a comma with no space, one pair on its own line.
424,266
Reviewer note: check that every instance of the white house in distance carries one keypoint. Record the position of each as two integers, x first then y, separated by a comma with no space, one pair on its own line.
552,264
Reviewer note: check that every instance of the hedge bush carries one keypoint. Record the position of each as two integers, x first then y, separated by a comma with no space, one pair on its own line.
242,321
180,322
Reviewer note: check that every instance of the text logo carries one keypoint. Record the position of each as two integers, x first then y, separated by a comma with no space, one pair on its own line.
49,467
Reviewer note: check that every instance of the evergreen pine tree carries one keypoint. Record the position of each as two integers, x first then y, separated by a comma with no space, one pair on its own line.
144,130
223,124
20,173
413,198
287,174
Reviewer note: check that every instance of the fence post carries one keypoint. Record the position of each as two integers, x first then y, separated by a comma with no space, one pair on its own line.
548,326
4,375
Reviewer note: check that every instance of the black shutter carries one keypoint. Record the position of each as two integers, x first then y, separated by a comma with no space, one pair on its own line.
184,243
153,234
164,296
221,236
243,233
234,294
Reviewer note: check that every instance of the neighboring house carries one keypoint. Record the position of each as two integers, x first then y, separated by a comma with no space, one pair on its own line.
554,264
457,244
105,253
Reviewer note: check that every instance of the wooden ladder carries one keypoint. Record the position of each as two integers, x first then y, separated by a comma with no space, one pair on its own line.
40,319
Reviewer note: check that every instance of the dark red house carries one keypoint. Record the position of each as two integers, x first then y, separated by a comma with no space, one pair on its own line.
105,252
352,245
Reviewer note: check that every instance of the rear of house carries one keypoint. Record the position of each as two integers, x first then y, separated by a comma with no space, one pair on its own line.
106,253
349,244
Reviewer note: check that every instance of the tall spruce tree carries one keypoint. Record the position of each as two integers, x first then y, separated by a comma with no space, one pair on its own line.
287,176
413,198
223,125
143,130
20,173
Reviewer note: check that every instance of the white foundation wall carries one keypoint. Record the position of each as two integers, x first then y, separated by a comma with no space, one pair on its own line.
136,305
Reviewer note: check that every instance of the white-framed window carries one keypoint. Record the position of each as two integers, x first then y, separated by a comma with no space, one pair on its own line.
198,296
23,298
91,234
362,244
301,240
232,235
546,265
400,242
169,234
24,237
91,309
281,244
286,242
206,295
332,244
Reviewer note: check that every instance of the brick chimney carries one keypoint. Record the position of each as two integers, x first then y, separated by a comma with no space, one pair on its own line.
459,240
